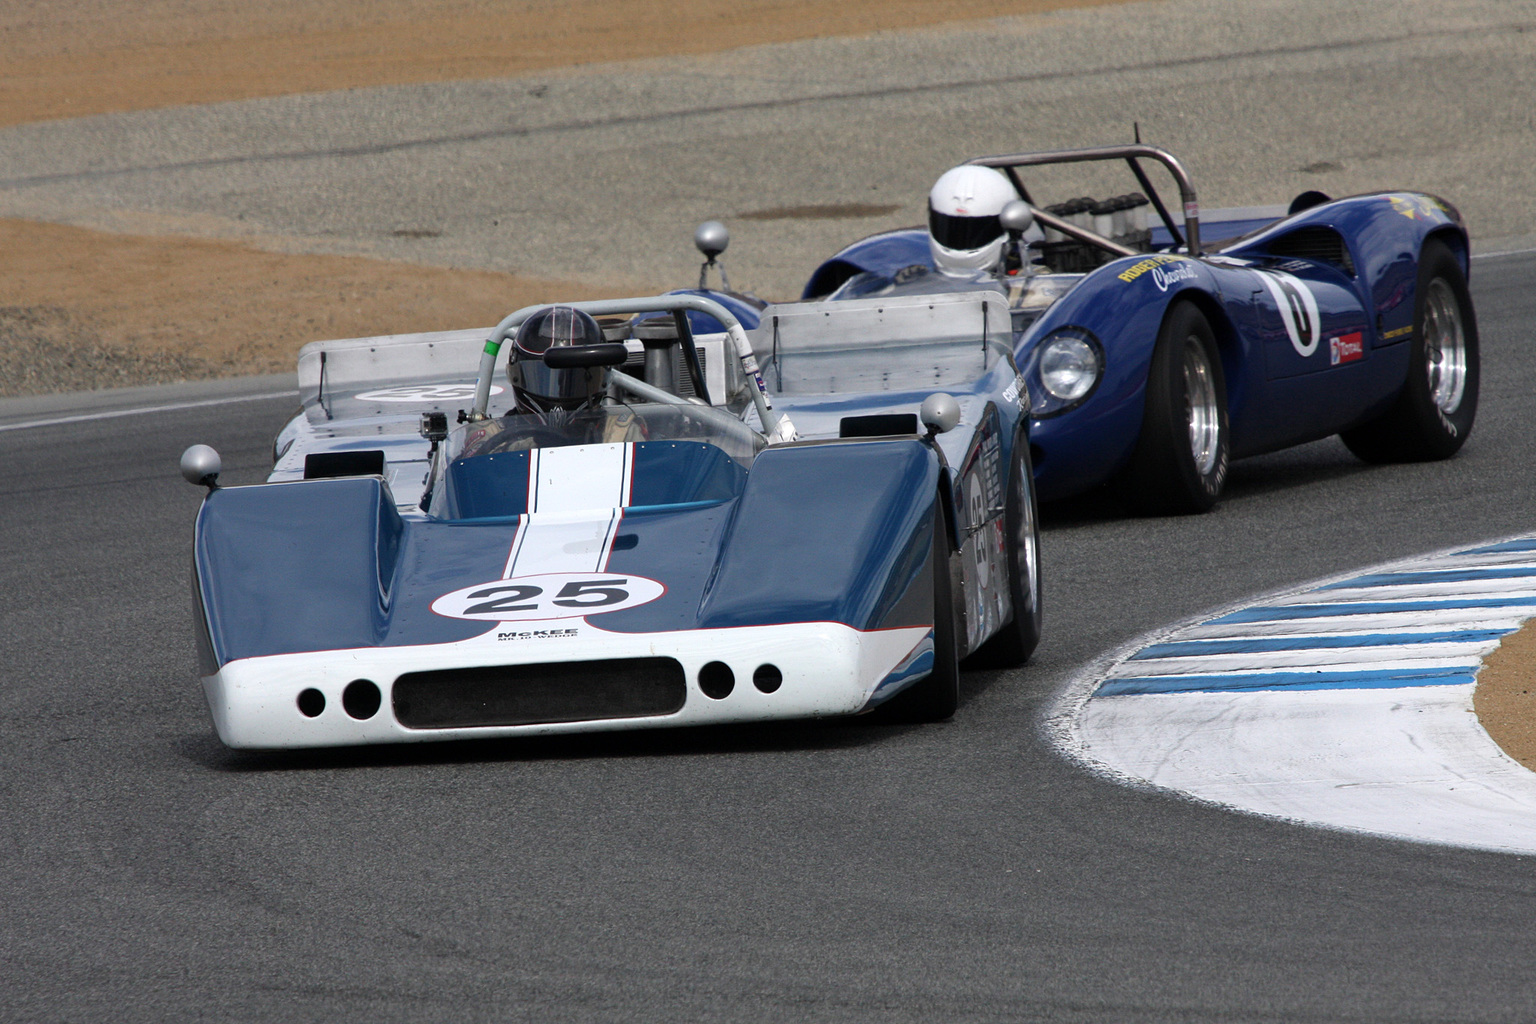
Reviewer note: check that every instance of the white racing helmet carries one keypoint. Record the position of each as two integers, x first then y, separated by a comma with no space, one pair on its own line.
965,235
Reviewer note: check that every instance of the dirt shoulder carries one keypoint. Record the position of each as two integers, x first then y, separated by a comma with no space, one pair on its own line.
84,309
70,58
81,310
1505,697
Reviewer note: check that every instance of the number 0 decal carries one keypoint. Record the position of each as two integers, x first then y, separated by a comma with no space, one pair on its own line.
555,595
1298,309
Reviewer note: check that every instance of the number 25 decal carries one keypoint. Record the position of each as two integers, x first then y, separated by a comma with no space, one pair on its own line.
556,595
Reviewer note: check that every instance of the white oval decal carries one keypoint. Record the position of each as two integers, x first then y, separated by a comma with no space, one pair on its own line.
1298,310
551,595
425,393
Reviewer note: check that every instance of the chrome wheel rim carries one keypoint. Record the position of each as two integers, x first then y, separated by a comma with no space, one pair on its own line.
1445,347
1200,408
1025,542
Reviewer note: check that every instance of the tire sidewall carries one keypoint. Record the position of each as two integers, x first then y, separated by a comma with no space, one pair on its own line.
1023,525
1444,433
1162,476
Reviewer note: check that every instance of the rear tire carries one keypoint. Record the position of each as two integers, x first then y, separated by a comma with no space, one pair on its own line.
1180,462
1433,413
1012,645
935,697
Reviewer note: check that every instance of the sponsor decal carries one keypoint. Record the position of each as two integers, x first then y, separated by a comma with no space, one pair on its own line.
1346,348
1014,390
1298,310
536,634
418,393
551,595
1191,210
1135,270
1418,207
1163,277
1401,332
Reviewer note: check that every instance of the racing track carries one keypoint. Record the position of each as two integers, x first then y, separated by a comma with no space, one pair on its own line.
826,871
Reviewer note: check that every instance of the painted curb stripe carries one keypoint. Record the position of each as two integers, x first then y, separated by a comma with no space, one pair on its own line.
1346,703
1310,611
1228,682
1404,579
1527,544
1199,648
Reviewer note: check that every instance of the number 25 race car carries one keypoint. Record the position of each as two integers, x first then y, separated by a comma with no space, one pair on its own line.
647,528
1154,357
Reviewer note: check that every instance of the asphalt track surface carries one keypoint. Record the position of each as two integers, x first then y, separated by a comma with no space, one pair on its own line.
823,871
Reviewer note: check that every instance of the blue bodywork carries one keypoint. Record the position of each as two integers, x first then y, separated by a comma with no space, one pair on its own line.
838,527
277,577
1357,257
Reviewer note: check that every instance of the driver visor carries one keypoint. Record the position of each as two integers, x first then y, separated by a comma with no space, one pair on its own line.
953,232
565,387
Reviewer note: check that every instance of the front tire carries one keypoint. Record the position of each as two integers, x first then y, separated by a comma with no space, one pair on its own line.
935,697
1434,412
1012,645
1180,462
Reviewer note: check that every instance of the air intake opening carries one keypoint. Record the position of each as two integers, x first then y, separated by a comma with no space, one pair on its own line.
361,699
311,703
567,691
717,680
767,678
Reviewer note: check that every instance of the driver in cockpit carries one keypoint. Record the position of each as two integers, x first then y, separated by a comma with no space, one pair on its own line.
554,406
967,242
966,237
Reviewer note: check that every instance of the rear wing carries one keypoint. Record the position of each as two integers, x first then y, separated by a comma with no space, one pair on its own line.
349,362
892,343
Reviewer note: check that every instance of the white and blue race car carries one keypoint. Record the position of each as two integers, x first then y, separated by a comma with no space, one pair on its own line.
819,517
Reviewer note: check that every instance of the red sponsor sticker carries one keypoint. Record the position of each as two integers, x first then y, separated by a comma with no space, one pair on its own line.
1346,348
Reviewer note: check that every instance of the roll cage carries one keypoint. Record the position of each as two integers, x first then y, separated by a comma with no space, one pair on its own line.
1132,155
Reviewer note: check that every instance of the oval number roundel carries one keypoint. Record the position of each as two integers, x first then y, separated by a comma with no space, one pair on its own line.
554,595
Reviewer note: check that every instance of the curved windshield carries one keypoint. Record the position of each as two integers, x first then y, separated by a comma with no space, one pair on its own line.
608,424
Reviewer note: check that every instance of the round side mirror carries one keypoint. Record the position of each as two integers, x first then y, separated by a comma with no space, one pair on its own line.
1017,217
940,413
201,465
712,238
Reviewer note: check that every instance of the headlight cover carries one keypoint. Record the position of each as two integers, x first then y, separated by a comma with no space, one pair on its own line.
1063,370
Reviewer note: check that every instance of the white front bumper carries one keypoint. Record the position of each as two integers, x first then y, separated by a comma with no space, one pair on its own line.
827,668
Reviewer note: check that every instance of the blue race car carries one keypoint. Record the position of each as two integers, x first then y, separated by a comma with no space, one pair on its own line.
1153,357
645,528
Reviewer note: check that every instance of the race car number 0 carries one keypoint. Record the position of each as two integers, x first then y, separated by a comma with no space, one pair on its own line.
548,596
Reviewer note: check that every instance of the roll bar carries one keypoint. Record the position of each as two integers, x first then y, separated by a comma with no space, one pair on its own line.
777,427
1130,154
724,420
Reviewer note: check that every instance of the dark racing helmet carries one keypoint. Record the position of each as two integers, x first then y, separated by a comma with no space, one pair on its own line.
539,387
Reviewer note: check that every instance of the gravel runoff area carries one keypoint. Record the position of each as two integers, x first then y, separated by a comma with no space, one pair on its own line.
83,310
1505,699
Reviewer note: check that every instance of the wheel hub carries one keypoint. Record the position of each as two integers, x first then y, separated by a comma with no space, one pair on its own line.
1445,347
1200,406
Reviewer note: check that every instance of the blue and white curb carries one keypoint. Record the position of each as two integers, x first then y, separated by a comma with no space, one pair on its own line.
1346,704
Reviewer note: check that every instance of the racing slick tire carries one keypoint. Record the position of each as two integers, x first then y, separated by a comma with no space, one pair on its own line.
1180,462
1433,413
1012,645
935,697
